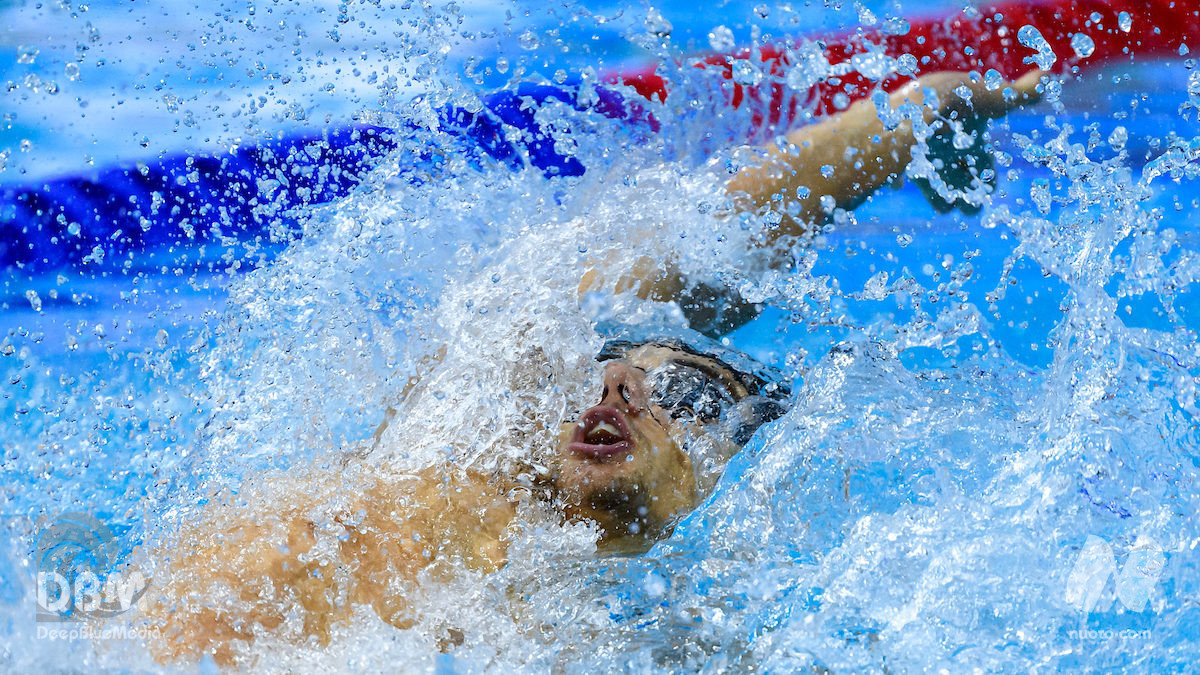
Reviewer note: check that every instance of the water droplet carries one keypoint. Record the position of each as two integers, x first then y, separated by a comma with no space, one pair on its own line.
993,80
1083,45
895,26
721,39
1124,22
161,339
962,140
1032,38
876,287
904,239
502,65
34,300
1039,192
528,40
72,71
873,64
746,72
1183,49
26,54
656,24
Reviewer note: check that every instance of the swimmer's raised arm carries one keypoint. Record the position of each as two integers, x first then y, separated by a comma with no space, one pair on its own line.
842,160
836,163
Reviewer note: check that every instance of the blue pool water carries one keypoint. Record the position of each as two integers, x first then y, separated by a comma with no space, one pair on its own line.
1012,403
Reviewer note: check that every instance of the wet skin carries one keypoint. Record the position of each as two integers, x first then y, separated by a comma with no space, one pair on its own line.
261,565
621,466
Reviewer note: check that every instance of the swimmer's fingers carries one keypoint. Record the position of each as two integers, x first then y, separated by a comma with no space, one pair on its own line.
1027,86
996,101
958,95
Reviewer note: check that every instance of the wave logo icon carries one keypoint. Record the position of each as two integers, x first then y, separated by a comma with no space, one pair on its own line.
76,556
1134,583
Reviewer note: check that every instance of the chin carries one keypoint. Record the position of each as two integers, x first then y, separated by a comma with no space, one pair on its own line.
634,494
581,481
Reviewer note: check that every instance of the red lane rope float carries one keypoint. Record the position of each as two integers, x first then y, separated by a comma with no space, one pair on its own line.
981,39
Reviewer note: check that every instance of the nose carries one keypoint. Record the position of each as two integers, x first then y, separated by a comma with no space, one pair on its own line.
624,388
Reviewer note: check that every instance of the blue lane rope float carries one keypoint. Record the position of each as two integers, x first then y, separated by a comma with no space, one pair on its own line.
252,192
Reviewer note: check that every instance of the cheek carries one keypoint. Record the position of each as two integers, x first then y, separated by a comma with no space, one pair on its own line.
667,449
565,433
652,435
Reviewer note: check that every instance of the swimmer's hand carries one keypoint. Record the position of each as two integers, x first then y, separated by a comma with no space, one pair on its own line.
959,96
802,179
958,169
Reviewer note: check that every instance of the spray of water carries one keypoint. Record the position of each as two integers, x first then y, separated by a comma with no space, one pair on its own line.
923,505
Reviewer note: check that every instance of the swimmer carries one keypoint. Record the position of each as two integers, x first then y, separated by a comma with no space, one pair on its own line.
290,557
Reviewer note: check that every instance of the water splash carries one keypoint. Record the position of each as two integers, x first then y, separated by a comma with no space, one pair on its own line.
1031,37
922,506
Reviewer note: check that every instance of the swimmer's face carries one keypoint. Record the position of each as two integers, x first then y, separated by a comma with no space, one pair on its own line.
622,463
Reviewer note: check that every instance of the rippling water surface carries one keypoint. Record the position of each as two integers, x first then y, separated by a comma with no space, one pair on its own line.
992,412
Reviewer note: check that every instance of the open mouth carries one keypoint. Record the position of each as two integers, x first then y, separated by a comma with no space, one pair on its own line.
601,434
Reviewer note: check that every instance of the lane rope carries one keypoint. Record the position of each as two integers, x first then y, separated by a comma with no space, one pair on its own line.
177,203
